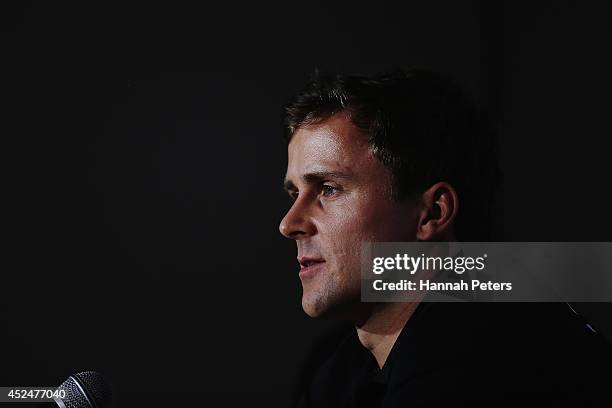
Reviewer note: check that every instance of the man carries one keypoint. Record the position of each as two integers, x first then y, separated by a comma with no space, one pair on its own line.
405,157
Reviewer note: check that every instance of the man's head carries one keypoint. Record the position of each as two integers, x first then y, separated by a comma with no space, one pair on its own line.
379,159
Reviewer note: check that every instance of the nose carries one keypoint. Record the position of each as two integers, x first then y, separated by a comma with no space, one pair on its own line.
297,223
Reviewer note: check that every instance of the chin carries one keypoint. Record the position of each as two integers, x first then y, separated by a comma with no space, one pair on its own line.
318,309
311,309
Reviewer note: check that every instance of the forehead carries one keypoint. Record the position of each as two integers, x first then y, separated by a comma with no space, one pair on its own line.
335,144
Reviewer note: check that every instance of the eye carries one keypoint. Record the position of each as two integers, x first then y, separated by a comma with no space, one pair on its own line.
293,195
328,190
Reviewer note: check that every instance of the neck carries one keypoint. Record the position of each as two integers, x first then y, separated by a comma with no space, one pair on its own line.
382,327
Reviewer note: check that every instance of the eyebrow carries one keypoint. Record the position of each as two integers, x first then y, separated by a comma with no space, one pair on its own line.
316,177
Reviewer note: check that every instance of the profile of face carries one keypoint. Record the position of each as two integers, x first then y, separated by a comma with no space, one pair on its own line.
342,198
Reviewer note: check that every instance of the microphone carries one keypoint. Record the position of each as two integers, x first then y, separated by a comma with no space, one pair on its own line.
88,389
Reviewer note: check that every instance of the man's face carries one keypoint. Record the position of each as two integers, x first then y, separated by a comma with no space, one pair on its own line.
342,198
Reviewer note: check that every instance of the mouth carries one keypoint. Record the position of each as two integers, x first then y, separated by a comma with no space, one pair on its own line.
309,266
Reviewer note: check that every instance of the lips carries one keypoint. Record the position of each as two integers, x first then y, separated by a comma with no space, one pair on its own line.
309,266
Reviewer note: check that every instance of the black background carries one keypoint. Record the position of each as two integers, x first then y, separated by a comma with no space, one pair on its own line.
143,164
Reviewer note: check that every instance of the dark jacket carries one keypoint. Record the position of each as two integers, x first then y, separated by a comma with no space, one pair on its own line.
472,354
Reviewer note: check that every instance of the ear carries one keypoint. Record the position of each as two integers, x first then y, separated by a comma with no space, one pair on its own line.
439,206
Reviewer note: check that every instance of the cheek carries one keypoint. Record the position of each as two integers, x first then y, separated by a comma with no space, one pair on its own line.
348,226
373,220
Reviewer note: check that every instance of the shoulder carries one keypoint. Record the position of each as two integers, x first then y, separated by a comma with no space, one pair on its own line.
497,351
